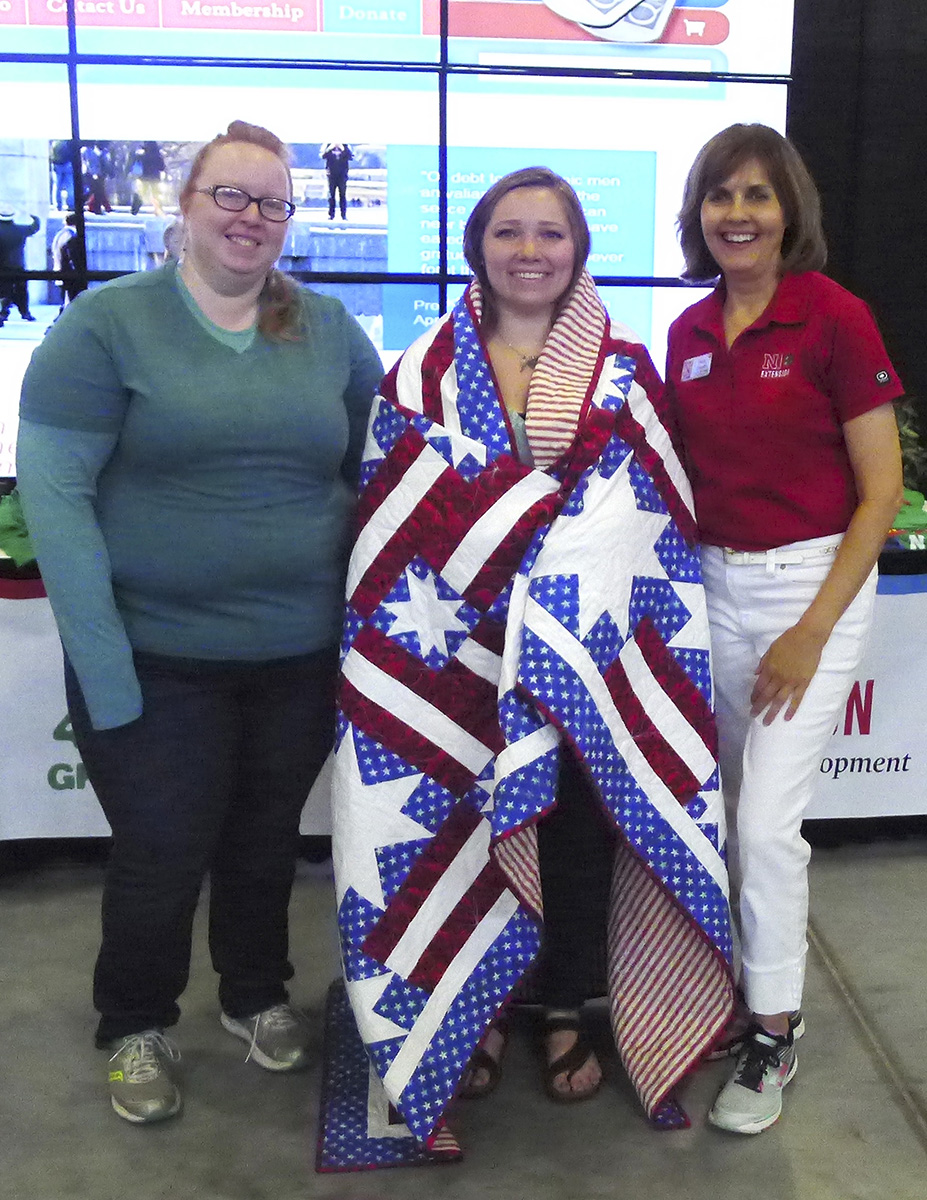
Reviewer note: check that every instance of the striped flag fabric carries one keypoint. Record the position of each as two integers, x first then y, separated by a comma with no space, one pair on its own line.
497,613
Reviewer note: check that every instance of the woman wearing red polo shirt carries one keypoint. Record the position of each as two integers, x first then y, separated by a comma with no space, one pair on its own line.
782,390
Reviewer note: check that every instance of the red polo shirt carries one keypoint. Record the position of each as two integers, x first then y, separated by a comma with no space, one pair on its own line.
761,423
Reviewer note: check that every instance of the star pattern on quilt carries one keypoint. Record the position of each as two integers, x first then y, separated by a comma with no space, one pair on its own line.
430,804
365,995
620,377
386,427
658,599
427,610
696,664
673,862
525,793
401,1003
481,412
465,455
355,917
377,764
375,814
353,624
583,545
678,560
395,862
432,1084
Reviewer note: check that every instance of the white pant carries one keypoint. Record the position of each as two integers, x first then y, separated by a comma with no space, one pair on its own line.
768,771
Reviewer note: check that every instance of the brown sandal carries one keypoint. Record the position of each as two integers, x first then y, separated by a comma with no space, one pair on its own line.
568,1063
482,1060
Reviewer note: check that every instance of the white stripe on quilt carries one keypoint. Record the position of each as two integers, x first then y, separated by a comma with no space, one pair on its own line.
664,714
379,1110
423,717
364,995
485,535
657,437
519,754
456,880
479,660
396,508
449,408
550,631
458,971
409,375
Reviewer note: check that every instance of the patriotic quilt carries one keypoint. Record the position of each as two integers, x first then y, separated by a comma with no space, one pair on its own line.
496,612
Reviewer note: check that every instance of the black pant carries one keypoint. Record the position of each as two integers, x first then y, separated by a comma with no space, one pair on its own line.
338,185
213,776
576,847
16,293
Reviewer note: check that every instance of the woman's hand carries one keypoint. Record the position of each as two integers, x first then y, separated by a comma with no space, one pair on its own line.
784,672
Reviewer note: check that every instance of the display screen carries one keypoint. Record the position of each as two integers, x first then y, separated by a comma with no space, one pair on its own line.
624,140
660,35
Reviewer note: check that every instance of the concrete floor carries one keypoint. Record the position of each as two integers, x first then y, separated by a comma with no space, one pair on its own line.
854,1128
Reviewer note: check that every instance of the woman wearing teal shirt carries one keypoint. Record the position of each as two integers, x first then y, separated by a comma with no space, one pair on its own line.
188,450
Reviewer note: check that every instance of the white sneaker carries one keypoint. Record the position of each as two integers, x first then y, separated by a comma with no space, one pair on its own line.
279,1037
751,1100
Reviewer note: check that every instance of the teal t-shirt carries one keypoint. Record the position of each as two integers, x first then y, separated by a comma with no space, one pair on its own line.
218,479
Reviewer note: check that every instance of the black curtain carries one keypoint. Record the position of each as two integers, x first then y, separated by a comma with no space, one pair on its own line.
858,113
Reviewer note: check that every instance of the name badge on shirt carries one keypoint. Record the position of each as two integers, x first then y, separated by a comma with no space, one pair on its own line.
696,368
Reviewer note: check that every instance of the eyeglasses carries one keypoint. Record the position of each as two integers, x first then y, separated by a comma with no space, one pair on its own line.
233,199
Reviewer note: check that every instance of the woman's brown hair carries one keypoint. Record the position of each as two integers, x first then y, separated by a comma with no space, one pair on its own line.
803,244
478,223
280,309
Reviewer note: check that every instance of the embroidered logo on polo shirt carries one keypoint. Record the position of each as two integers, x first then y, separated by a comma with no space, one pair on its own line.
882,377
776,366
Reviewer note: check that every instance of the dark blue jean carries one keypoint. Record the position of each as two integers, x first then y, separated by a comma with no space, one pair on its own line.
576,850
211,778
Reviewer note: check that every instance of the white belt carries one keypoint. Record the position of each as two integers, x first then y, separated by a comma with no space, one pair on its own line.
778,556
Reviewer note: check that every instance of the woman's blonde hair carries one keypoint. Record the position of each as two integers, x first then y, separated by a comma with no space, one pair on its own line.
803,244
280,309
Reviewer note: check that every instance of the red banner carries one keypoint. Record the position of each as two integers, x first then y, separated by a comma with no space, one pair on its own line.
109,13
12,12
300,15
262,15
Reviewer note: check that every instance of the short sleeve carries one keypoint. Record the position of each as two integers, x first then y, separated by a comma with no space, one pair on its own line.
72,381
860,375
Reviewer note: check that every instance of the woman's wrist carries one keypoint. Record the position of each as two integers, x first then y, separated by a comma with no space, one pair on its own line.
816,627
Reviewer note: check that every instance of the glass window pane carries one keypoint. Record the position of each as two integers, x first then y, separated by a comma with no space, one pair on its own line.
653,35
331,30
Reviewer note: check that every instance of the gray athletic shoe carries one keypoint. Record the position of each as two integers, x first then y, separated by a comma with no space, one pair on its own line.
141,1083
278,1037
751,1100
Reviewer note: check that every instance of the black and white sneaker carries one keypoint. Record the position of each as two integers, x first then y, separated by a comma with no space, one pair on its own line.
732,1040
751,1100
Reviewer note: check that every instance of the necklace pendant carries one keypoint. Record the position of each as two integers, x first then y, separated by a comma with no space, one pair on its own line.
529,361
